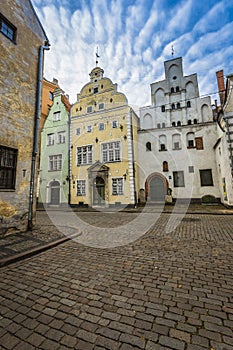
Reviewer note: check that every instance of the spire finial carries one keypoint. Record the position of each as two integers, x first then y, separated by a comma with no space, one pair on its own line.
97,56
172,51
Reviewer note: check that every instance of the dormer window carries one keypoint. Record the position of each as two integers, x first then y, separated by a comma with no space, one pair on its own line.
95,90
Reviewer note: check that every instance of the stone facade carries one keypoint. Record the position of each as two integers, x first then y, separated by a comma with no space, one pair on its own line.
176,140
21,37
103,145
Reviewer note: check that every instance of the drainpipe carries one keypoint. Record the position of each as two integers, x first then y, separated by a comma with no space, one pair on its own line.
36,131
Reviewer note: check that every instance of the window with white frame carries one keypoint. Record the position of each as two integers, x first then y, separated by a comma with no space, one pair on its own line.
56,116
117,186
111,151
81,187
61,137
89,109
84,155
89,128
162,142
78,131
190,139
50,139
101,105
114,124
176,141
101,126
178,178
55,162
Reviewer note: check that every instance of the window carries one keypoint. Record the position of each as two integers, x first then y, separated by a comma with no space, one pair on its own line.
95,90
101,105
89,109
148,146
173,123
172,90
191,169
158,126
117,186
177,89
89,128
56,116
206,177
84,155
165,166
162,143
61,137
163,125
111,152
189,122
78,131
101,126
178,105
163,108
176,141
190,140
194,121
114,124
50,139
51,95
178,123
188,104
178,178
55,162
8,162
173,106
81,188
199,143
8,29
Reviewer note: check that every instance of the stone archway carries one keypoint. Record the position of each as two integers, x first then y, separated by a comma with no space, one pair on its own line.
156,188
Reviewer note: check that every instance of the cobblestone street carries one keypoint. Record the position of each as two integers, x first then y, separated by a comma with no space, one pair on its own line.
162,291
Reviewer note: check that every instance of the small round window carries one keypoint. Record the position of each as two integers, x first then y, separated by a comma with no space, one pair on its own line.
174,78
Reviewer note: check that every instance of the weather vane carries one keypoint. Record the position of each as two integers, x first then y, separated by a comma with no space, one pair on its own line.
172,51
97,56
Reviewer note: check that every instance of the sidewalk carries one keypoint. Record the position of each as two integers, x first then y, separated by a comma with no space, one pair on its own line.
14,247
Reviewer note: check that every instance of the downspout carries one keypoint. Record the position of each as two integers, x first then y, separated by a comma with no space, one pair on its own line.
36,131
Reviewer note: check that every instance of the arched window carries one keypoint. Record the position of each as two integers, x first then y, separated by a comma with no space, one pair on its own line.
165,166
158,126
172,90
190,137
178,105
189,122
162,143
178,123
176,141
173,123
163,125
148,146
173,106
188,104
163,108
194,121
177,89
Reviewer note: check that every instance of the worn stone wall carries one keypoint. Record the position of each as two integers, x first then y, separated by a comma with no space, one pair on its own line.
18,86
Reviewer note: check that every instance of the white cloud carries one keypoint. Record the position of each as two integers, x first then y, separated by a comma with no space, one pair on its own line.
133,42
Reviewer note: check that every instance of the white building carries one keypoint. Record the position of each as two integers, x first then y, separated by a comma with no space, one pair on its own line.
177,136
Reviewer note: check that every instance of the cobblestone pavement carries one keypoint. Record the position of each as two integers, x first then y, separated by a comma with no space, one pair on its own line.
163,291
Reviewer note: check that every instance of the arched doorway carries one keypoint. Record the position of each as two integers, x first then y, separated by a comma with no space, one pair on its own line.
99,191
156,188
55,192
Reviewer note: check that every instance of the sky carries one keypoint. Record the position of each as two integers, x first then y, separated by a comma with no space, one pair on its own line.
134,38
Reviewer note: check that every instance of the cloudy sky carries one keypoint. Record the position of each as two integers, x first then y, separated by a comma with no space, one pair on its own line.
134,38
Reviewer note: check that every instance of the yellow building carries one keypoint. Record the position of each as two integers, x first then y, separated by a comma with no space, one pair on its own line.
103,145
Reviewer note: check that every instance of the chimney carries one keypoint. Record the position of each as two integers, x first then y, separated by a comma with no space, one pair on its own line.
221,86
